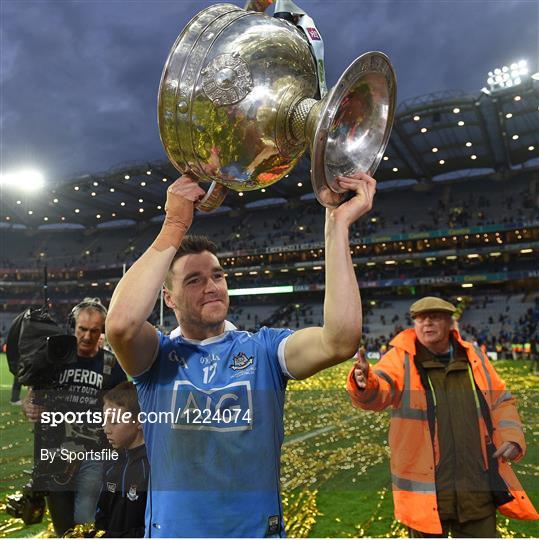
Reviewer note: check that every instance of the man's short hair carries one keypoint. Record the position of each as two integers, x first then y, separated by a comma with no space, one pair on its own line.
191,244
88,304
124,396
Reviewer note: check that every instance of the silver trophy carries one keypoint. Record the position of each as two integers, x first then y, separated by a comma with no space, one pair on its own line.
237,106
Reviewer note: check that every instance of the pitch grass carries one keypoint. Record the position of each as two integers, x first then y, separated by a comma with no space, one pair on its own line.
348,503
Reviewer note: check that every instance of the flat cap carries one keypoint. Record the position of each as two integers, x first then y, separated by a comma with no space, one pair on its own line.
431,303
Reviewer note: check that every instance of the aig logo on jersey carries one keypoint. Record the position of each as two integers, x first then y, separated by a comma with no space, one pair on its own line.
229,408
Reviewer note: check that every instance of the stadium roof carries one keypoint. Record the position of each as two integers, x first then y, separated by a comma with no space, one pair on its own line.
439,137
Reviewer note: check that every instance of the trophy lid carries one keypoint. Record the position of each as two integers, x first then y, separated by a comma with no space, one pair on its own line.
353,125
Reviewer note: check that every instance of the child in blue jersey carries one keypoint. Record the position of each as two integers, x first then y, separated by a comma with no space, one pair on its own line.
216,394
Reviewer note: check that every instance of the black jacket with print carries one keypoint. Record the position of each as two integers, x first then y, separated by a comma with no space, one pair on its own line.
122,504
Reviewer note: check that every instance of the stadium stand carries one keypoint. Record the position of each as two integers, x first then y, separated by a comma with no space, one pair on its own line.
461,222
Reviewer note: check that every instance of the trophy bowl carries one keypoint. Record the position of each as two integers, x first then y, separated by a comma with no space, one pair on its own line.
237,107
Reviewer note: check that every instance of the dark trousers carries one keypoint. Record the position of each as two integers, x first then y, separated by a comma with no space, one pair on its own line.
76,503
15,390
479,528
61,508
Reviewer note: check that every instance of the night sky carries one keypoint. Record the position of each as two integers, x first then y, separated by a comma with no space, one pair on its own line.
79,80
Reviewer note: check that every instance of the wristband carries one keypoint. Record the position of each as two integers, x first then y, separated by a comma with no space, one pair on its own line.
178,218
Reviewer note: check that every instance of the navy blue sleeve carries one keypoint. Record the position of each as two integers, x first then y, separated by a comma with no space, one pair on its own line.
102,514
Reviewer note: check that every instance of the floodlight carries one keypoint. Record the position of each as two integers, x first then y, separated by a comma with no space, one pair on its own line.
23,180
508,76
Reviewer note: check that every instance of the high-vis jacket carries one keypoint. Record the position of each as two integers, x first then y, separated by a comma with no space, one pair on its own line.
394,381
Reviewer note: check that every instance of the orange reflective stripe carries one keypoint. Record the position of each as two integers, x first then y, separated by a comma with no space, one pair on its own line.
405,410
506,396
510,424
381,373
410,414
415,486
481,356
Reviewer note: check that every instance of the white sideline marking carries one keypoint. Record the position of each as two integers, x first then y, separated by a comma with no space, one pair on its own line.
310,434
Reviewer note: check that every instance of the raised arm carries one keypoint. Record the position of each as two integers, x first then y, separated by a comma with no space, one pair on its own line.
312,349
133,339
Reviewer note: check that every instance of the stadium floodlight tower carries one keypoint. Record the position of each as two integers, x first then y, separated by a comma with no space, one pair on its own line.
508,76
23,180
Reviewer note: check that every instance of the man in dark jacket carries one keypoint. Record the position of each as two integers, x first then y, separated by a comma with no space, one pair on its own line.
74,486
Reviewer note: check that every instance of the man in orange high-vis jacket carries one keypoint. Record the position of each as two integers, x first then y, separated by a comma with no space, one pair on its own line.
446,397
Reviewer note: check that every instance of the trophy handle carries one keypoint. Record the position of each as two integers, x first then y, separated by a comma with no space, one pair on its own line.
213,199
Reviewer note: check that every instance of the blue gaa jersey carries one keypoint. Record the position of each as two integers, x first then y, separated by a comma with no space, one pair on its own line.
213,432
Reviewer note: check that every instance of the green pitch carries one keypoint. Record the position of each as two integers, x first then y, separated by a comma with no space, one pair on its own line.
335,470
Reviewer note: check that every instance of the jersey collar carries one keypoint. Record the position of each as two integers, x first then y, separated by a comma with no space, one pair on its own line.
177,333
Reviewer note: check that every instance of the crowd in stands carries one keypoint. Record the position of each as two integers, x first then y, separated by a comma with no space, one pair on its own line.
101,254
514,336
482,202
505,323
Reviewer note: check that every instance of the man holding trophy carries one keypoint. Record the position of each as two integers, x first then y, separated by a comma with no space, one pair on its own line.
215,465
242,96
